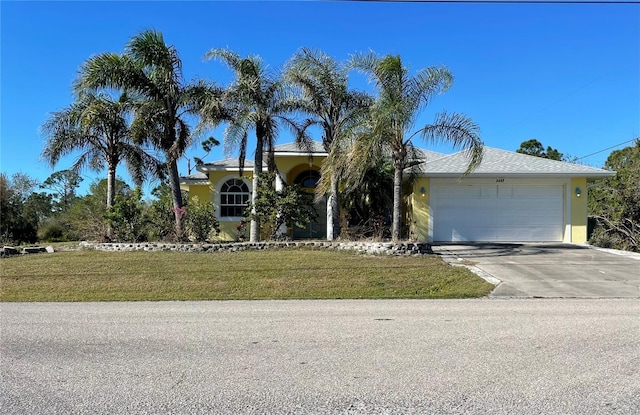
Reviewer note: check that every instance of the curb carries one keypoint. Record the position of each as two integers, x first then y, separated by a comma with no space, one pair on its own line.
633,255
452,259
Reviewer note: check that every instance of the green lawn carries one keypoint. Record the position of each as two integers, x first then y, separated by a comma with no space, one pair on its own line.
273,274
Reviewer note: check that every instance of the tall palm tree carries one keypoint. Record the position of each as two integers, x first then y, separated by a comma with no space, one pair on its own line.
400,99
152,70
327,100
255,100
97,126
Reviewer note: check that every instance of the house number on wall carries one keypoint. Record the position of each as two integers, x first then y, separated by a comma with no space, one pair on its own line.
499,180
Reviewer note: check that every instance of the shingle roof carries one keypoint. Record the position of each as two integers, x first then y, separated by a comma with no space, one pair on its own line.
496,161
196,178
316,147
226,164
282,149
429,155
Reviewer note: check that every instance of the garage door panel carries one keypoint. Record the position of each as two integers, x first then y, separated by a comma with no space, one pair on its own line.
537,192
505,192
498,213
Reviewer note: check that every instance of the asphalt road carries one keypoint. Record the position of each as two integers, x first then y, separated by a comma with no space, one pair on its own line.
318,357
549,270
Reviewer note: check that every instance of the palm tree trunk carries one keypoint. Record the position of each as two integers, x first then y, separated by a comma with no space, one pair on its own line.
174,182
333,211
111,191
397,203
111,186
254,233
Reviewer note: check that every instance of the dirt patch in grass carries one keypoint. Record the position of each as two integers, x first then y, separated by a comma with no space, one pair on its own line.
273,274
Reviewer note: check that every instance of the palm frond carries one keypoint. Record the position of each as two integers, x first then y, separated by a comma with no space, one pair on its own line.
366,63
160,60
427,83
111,70
207,100
226,56
235,135
461,132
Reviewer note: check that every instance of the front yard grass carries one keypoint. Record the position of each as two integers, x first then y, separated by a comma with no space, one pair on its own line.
271,274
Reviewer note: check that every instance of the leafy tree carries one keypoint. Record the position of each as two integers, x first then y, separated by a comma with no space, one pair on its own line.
201,222
534,147
327,100
207,146
62,185
152,70
23,184
15,226
38,207
21,209
85,218
614,203
255,100
160,215
56,229
275,208
400,99
97,126
126,217
98,190
368,204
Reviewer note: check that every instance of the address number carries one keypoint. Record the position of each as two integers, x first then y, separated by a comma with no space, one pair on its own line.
499,180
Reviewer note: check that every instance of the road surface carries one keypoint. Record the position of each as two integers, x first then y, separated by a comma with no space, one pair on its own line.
486,356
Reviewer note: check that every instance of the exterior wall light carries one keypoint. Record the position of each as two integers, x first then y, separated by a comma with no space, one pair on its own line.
423,191
578,192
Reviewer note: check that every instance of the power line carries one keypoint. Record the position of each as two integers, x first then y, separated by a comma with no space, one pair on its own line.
608,148
507,1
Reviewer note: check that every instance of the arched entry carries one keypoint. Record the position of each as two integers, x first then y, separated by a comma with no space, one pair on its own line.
308,180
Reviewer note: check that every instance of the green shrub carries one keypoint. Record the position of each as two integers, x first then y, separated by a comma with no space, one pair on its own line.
201,223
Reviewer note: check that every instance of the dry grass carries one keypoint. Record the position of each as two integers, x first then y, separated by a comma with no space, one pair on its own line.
275,274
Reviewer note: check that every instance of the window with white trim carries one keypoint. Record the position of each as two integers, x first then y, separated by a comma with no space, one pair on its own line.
234,196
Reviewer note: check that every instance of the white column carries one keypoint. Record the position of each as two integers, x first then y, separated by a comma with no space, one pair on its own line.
280,183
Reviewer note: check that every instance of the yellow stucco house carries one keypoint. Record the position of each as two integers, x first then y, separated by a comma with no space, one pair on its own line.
510,197
221,183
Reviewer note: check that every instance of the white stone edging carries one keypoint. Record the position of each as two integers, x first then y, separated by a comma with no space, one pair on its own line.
384,248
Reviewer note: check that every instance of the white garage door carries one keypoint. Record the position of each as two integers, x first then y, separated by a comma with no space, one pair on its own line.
498,213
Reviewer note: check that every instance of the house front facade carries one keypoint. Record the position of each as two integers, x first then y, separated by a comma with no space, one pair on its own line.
510,197
221,183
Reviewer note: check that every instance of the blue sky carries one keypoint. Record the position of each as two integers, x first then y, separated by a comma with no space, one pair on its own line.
567,75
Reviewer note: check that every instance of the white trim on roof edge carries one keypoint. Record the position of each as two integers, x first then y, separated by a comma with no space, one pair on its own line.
459,176
292,154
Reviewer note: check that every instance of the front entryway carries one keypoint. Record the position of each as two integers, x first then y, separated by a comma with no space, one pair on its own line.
317,229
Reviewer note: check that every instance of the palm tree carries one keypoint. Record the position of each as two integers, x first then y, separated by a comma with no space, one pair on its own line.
96,125
400,99
255,100
327,100
152,70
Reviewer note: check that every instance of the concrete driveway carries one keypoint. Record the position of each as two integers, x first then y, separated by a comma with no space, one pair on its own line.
549,270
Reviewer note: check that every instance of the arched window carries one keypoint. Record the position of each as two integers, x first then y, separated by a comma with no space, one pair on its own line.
234,196
308,179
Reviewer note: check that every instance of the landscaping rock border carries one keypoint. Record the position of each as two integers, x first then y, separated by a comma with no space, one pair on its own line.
7,251
380,248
